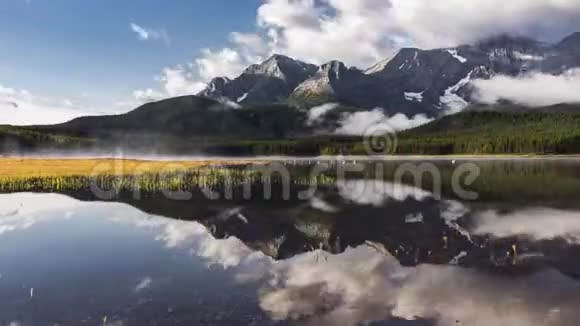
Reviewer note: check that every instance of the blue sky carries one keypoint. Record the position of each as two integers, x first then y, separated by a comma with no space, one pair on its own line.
64,48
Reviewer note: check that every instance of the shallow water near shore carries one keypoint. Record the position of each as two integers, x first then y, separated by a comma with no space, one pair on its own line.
361,250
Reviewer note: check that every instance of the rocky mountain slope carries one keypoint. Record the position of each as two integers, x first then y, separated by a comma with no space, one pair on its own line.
269,82
432,82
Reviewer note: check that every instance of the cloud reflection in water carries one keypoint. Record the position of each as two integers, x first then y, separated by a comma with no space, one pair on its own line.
361,284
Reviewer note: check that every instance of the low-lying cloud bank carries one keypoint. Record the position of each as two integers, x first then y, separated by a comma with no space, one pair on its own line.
362,122
536,224
359,123
376,193
535,89
317,113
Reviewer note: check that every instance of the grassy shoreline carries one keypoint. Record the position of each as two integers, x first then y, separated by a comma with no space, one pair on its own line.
61,167
501,176
25,167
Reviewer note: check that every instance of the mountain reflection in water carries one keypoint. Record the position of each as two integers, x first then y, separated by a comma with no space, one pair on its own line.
363,251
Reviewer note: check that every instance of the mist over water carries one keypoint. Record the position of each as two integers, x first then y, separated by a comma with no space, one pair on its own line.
279,158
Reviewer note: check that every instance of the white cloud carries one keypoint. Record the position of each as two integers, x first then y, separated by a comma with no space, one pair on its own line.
228,253
147,95
364,285
359,123
320,31
142,32
179,81
528,57
19,107
21,211
173,82
223,63
318,112
252,47
537,224
148,34
144,284
379,27
376,192
536,89
192,78
451,22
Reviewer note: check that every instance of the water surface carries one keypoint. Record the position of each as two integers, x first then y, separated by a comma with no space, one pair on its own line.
363,251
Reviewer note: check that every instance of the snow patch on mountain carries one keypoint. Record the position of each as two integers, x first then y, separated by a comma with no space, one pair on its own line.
450,101
228,103
527,56
414,97
270,67
498,53
456,55
242,98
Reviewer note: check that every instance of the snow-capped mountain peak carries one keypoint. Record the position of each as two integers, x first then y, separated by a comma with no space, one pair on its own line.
412,81
270,81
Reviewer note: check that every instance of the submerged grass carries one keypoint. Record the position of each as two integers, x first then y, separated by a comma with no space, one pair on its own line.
15,168
79,174
59,175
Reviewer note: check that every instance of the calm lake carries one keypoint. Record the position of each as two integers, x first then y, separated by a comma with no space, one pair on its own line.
485,242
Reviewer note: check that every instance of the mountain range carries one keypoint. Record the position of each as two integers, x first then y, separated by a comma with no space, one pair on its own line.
413,81
266,110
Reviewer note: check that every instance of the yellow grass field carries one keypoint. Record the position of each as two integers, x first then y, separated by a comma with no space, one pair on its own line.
32,167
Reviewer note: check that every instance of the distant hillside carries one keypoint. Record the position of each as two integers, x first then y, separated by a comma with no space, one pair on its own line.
513,130
29,139
471,133
195,125
192,116
183,125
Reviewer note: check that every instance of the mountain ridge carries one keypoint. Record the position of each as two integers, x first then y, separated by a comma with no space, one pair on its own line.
271,81
412,81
